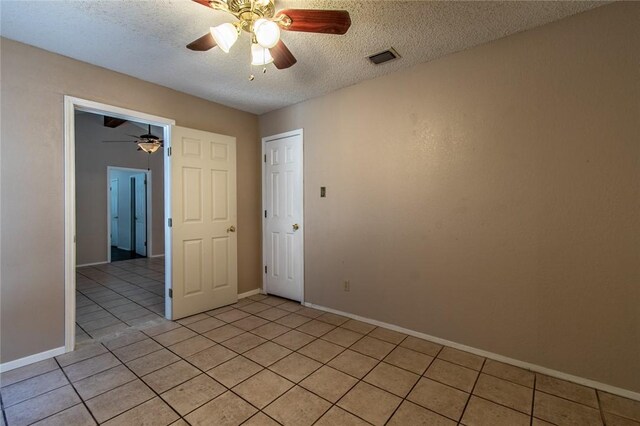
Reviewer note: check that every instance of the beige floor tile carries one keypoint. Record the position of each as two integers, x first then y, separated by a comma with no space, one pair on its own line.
274,301
160,328
392,379
420,345
442,399
217,311
205,325
342,336
104,381
270,331
267,353
119,400
338,416
260,419
412,414
459,357
172,375
174,336
78,415
192,319
538,422
316,328
243,342
28,371
480,412
310,312
249,323
293,340
42,406
504,392
353,363
193,393
452,374
333,319
387,335
297,407
234,371
34,386
211,357
614,420
91,366
290,306
191,346
136,350
153,412
254,308
226,410
509,372
263,388
295,367
561,411
567,390
180,422
272,314
620,406
293,320
223,333
321,350
80,353
408,359
358,326
152,362
329,383
373,347
370,403
125,339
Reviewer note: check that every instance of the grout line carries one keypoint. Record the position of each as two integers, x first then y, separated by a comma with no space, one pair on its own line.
533,399
82,401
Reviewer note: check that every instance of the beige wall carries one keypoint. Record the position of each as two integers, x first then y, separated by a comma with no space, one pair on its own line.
32,212
491,197
92,159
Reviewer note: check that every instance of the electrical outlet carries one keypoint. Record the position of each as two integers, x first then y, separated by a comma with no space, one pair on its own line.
347,286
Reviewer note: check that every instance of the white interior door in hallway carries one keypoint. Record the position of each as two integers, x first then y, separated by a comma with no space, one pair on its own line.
283,239
113,214
203,213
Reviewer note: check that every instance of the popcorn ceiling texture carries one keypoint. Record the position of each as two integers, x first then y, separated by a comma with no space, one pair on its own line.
147,40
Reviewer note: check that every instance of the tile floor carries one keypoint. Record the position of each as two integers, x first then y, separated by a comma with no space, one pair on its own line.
269,361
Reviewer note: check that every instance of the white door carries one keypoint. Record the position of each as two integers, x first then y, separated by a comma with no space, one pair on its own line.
283,241
113,193
203,206
140,212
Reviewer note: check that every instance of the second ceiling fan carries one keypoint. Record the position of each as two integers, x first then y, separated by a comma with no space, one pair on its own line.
260,19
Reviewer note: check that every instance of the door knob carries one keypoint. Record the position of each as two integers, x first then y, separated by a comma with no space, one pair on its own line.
231,229
296,226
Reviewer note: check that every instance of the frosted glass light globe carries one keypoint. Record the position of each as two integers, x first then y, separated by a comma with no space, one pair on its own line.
267,33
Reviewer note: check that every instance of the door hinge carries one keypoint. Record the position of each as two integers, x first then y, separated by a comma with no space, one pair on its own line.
265,158
170,293
265,269
265,213
170,222
169,151
145,243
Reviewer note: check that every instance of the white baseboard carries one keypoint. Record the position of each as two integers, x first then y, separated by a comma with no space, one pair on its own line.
92,264
249,293
497,357
157,255
11,365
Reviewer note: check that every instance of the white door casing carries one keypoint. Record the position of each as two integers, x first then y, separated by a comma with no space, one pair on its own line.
113,193
283,200
140,211
204,221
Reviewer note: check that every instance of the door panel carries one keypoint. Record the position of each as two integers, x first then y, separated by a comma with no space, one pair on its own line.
284,207
204,241
113,193
140,213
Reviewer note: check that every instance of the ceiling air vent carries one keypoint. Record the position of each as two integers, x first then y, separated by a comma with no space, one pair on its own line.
385,56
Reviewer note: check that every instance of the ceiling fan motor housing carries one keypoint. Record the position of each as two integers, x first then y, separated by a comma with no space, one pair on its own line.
251,11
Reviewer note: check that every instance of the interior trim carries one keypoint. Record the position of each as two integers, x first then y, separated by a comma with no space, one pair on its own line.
21,362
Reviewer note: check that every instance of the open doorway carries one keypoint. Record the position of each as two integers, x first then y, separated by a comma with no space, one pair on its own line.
130,213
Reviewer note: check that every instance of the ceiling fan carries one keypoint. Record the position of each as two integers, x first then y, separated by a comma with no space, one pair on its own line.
148,142
260,19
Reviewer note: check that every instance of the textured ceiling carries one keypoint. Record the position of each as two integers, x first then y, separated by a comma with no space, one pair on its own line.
146,39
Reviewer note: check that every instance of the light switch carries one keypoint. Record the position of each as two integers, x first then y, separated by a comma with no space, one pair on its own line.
323,191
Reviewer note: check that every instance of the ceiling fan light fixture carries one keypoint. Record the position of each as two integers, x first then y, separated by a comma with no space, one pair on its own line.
260,55
149,147
267,33
225,36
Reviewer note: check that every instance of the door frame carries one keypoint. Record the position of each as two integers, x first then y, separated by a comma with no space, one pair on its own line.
298,132
71,105
148,204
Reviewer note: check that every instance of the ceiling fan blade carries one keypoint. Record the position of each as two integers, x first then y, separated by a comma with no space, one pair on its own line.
316,20
118,141
202,44
282,56
113,122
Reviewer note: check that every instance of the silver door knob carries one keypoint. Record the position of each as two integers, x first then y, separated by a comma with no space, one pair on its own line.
231,229
296,226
